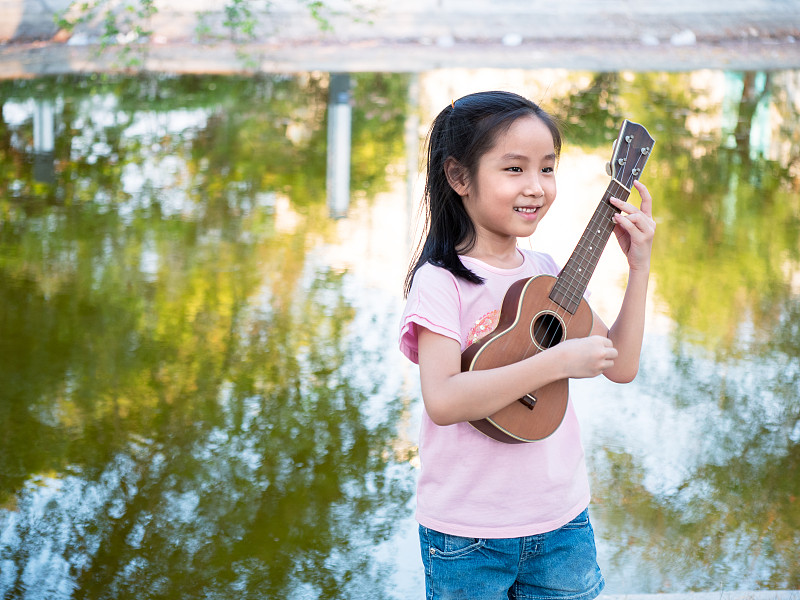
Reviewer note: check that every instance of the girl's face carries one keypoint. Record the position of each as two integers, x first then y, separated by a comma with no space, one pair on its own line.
514,184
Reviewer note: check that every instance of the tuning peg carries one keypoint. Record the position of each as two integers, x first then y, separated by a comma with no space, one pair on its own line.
609,172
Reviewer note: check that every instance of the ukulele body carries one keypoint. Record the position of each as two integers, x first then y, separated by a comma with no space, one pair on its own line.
529,323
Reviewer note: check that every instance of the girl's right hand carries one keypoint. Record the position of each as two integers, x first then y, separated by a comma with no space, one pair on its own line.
587,357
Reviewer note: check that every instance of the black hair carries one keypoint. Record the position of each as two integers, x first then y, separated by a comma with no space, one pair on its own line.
465,130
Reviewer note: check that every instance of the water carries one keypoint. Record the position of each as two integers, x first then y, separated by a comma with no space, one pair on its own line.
202,395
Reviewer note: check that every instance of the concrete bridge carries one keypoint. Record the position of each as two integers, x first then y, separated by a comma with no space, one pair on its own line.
418,35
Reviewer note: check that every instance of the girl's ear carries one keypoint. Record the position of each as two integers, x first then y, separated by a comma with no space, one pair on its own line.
456,176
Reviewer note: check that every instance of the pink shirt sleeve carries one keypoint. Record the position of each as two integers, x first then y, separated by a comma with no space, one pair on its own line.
433,303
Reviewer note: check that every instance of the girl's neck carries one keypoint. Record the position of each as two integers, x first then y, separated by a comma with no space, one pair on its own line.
502,257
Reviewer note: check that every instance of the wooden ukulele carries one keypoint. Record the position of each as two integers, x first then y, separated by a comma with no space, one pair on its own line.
542,311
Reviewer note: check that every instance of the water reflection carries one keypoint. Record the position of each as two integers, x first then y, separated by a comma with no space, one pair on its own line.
706,498
184,409
695,473
201,393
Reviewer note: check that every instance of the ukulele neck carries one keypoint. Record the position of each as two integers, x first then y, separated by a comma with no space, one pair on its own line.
571,284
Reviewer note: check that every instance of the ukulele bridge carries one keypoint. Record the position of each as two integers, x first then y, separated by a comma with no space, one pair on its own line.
529,401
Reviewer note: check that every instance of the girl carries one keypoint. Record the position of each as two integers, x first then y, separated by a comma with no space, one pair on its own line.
503,520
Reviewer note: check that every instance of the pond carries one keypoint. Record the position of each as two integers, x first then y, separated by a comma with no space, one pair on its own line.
202,393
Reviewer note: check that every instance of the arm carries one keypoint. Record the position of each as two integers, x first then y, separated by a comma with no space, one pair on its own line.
451,396
635,230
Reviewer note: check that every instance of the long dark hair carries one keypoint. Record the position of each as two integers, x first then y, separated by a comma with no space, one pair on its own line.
465,130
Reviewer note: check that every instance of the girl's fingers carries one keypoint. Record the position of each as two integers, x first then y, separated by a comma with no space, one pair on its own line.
633,220
647,199
646,204
640,218
636,226
626,223
623,206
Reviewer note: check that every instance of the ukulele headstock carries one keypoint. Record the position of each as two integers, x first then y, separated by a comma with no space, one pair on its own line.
631,150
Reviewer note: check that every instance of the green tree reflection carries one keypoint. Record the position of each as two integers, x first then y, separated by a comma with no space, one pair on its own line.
730,234
726,253
730,216
732,519
185,410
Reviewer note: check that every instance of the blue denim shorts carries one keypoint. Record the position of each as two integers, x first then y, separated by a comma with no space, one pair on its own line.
558,564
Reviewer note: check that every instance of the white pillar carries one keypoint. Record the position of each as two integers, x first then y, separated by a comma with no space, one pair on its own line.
44,141
340,118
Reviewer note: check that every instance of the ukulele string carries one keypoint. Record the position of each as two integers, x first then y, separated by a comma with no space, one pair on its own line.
582,264
562,313
631,176
633,173
599,237
573,288
618,190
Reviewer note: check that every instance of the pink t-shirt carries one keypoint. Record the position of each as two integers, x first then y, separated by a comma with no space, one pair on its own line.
471,485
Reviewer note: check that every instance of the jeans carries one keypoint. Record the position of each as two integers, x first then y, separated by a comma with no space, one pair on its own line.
557,564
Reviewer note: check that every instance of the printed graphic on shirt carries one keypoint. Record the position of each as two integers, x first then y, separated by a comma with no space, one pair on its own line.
483,326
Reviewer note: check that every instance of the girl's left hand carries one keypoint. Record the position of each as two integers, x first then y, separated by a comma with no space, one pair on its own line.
636,228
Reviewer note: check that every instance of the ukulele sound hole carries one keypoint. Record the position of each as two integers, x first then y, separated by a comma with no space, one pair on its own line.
547,330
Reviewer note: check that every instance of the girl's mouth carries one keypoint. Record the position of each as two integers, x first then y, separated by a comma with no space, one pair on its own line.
526,209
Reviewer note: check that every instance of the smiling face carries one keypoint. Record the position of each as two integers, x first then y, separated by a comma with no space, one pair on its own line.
513,187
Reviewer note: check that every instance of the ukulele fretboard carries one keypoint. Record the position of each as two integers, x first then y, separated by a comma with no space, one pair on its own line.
574,277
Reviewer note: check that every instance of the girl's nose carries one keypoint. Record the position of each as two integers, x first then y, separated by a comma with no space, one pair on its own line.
534,188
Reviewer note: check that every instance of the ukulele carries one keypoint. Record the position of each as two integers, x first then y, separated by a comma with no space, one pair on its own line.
542,311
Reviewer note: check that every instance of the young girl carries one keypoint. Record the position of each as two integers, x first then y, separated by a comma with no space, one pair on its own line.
503,520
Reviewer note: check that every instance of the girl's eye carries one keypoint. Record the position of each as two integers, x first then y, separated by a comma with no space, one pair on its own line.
547,170
515,169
